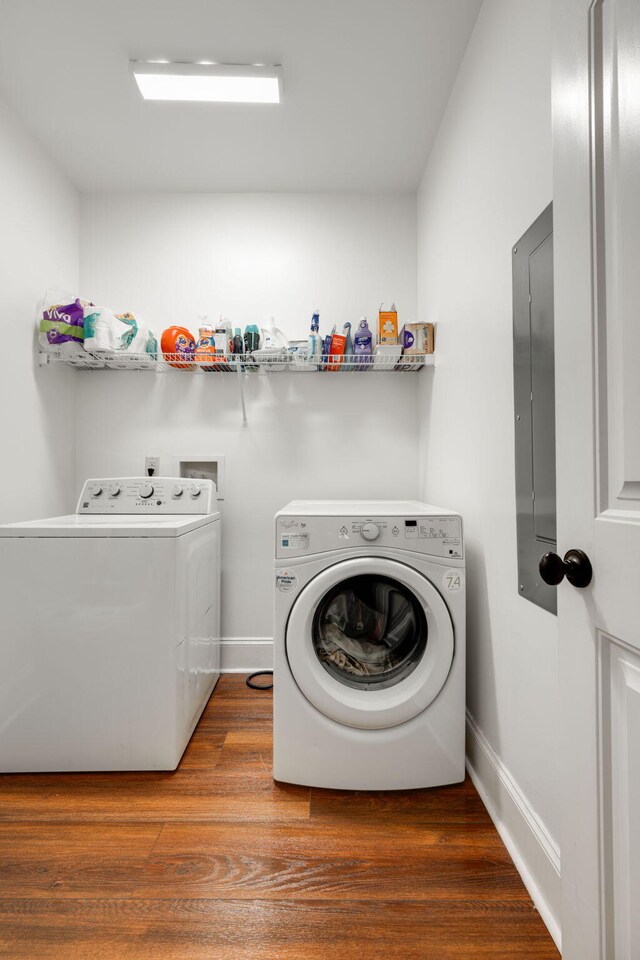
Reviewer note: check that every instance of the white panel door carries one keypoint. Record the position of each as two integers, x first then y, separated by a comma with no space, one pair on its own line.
596,97
621,726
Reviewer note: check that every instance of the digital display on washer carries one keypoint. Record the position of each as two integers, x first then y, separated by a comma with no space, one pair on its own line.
411,523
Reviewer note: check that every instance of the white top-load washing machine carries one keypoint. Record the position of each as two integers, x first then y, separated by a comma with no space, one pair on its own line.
369,658
109,627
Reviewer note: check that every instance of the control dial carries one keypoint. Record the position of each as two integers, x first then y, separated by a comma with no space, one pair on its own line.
146,491
113,490
195,491
369,530
177,490
96,490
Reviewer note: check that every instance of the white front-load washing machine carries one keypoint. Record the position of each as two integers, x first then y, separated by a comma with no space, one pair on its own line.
369,658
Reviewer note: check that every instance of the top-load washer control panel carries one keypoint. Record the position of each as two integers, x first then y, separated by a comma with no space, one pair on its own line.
435,536
152,495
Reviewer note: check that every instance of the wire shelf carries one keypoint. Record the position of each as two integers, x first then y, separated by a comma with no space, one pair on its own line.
291,363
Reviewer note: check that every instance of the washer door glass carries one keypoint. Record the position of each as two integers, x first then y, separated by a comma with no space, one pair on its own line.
369,631
369,641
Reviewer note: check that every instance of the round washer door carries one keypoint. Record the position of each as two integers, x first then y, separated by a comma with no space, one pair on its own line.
370,642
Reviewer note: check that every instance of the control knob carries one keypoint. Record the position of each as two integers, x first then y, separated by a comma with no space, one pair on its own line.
195,491
114,490
96,490
146,491
177,490
369,530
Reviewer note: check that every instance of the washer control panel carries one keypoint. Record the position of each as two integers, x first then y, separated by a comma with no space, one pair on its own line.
437,536
155,495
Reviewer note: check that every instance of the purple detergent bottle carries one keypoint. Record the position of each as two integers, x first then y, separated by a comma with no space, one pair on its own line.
362,345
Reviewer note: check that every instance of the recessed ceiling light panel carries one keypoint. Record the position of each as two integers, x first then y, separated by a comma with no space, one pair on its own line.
208,82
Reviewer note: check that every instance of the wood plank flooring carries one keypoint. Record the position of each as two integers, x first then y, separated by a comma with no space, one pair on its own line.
217,861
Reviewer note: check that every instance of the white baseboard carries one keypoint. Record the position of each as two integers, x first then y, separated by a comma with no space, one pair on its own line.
533,851
245,654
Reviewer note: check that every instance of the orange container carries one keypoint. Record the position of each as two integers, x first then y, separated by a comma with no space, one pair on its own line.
205,348
336,350
388,325
178,340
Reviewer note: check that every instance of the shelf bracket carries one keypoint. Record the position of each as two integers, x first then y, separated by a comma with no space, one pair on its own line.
245,422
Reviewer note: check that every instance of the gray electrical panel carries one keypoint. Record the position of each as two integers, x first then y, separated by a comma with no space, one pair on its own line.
534,394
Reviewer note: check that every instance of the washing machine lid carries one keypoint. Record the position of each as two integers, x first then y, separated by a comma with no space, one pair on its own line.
109,525
370,642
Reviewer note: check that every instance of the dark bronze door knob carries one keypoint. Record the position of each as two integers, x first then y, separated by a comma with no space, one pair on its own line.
576,567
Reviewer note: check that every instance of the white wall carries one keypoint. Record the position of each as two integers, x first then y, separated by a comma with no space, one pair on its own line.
309,436
38,250
488,178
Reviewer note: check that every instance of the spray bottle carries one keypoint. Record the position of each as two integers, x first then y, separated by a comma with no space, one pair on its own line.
314,338
363,345
347,363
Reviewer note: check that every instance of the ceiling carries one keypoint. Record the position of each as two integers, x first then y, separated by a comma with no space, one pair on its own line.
365,85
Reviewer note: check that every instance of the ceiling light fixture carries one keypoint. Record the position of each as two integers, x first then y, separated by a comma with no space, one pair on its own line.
208,82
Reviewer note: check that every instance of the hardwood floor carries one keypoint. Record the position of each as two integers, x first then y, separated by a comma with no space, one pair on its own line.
218,861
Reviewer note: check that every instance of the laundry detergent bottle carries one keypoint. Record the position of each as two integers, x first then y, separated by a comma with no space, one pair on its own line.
251,341
205,348
362,345
178,342
273,339
251,338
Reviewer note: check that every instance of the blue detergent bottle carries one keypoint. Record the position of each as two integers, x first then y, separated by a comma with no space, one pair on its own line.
251,341
362,345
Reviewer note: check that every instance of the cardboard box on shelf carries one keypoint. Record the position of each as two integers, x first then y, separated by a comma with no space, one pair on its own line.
388,325
416,339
